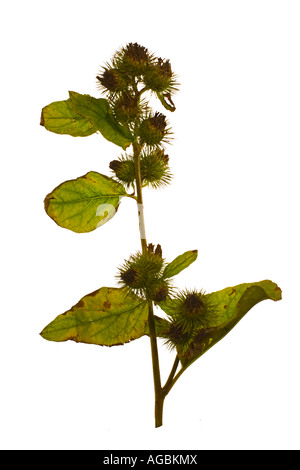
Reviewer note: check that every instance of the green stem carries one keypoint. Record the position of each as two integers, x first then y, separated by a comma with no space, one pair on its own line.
173,382
169,383
159,396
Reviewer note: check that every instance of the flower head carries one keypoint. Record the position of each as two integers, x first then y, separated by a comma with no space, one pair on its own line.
153,130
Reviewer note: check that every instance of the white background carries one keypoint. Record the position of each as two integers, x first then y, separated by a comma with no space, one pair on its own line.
234,197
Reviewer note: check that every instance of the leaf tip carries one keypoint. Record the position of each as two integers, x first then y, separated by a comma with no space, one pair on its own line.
274,290
42,121
278,292
42,334
47,202
125,146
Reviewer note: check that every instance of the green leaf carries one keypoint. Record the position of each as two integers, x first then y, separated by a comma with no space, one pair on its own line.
94,109
180,263
83,115
85,203
60,117
97,110
107,317
229,307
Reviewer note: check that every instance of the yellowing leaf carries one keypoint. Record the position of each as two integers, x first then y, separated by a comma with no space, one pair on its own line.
83,204
107,317
59,117
228,308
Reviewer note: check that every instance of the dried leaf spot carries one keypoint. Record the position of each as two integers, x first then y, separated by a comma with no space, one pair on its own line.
93,294
80,304
107,304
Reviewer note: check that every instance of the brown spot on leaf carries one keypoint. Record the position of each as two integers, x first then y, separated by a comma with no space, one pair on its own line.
93,294
233,291
107,304
80,304
225,306
42,122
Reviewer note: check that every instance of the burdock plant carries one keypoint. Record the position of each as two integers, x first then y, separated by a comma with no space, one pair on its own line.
189,322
